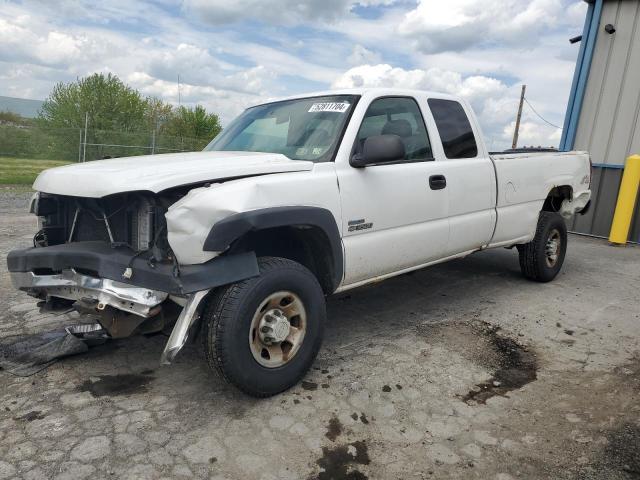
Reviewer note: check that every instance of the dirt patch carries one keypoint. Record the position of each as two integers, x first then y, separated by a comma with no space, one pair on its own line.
31,416
621,453
623,450
334,429
339,463
113,385
619,459
309,385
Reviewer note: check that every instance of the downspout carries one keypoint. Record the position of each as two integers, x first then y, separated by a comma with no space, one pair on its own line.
581,74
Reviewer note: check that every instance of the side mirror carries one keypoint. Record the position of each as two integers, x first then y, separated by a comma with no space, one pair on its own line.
379,149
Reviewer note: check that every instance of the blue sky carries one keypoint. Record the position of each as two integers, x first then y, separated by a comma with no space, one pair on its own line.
231,54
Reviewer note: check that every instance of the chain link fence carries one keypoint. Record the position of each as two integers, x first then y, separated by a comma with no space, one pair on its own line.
73,145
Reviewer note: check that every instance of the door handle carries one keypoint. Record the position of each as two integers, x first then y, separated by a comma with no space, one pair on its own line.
437,182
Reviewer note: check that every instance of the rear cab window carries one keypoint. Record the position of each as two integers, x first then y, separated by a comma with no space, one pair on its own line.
397,116
454,128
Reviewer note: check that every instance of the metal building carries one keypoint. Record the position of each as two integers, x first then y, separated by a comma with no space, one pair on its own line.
604,106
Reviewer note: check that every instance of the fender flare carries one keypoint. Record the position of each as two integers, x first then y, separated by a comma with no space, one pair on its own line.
233,227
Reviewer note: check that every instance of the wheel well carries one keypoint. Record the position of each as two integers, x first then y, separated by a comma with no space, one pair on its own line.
556,196
307,245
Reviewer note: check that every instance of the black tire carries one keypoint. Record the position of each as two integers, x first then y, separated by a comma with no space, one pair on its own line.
227,321
535,262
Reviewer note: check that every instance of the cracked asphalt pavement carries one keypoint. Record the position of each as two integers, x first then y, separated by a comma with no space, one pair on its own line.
462,370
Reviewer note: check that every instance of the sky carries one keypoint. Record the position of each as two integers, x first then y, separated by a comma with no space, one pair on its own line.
230,54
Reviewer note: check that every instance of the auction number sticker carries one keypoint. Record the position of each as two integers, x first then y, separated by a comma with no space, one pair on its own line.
339,107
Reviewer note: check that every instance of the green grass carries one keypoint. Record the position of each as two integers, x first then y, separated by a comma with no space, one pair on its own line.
23,171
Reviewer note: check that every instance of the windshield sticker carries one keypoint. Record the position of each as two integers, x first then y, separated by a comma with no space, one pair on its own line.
338,107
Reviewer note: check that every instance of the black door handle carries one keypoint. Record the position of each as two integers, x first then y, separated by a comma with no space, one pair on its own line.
437,182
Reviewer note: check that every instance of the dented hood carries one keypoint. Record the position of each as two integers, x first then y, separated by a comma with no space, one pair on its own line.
155,173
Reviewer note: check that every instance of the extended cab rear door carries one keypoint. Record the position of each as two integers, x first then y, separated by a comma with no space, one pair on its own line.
471,185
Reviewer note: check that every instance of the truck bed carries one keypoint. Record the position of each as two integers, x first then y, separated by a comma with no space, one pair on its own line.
524,181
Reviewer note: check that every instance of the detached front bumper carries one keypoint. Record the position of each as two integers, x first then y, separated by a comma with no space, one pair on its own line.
92,273
105,262
101,292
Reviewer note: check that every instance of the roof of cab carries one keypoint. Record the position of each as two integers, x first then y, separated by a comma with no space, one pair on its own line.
365,91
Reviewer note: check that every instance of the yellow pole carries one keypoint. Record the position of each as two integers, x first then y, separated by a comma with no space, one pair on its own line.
626,201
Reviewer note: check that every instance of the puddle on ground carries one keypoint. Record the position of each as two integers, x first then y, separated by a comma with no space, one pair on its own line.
516,367
113,385
340,462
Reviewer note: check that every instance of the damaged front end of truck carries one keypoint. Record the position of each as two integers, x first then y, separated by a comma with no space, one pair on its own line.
122,240
109,258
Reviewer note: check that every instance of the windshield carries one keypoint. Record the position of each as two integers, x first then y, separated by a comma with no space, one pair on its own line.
301,129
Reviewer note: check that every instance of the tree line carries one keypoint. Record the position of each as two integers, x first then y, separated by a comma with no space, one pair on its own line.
121,121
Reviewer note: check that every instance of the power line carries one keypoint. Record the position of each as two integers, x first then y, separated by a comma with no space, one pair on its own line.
540,116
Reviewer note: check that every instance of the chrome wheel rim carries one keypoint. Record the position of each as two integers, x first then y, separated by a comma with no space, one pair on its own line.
277,329
552,248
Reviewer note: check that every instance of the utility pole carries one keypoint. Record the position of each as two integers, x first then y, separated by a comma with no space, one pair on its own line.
514,145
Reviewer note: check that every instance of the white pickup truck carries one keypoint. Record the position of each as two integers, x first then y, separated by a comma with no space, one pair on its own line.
295,200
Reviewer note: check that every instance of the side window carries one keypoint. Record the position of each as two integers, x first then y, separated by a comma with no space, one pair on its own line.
454,128
398,116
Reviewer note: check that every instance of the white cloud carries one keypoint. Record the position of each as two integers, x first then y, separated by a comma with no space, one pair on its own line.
219,12
494,102
455,25
35,54
52,48
260,49
533,134
224,103
360,55
197,66
271,11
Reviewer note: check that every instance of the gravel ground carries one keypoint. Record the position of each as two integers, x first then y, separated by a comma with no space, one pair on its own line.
463,370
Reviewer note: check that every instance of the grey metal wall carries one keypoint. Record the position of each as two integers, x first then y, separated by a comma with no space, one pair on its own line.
609,125
604,190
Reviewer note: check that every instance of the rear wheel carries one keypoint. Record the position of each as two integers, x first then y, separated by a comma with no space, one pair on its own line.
542,258
262,334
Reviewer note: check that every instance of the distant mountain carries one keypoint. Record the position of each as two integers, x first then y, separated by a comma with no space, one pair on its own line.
22,106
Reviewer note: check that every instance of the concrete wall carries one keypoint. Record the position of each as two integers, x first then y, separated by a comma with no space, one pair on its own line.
609,127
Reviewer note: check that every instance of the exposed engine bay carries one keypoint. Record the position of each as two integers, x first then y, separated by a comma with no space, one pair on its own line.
110,259
130,222
133,219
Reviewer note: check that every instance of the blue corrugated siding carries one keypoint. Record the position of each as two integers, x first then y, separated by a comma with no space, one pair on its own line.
581,75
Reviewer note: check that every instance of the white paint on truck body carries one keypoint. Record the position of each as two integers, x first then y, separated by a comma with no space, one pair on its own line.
155,173
531,177
190,219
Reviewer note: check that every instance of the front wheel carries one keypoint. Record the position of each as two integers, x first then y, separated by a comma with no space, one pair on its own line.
541,259
263,334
